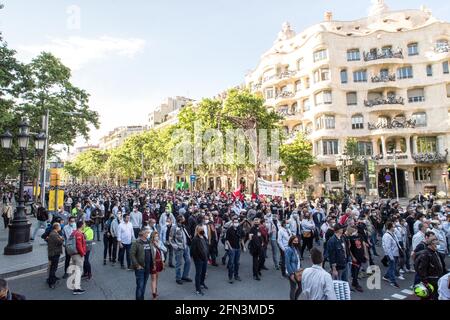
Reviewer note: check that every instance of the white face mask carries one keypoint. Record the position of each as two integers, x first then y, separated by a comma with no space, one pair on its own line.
235,225
206,220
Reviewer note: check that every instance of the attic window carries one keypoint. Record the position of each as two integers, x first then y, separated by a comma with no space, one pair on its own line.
408,17
349,34
399,29
357,28
338,28
385,20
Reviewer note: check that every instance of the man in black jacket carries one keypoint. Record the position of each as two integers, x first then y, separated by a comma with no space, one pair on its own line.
337,254
429,266
200,253
6,294
255,248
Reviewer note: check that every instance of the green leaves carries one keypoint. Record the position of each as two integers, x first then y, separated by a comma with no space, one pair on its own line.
32,89
297,158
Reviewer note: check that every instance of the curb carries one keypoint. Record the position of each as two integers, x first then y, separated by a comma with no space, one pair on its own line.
27,270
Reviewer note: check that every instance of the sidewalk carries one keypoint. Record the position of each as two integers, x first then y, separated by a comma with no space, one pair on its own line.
37,259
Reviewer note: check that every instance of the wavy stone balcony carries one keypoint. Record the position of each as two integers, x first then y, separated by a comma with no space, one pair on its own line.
383,78
384,101
394,124
430,157
383,54
285,95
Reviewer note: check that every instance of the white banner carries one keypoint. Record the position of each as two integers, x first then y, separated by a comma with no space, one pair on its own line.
270,188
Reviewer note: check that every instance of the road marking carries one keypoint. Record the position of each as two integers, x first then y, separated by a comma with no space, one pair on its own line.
32,273
386,299
398,296
406,291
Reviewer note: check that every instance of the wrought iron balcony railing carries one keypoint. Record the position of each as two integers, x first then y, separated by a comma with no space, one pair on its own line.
383,54
394,124
287,74
285,94
442,48
430,157
380,101
384,78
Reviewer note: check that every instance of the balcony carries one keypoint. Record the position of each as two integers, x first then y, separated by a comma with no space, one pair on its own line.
383,54
394,124
442,48
430,157
383,78
287,74
306,132
268,78
381,101
257,86
285,94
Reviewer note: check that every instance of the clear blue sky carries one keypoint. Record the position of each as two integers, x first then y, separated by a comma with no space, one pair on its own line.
129,55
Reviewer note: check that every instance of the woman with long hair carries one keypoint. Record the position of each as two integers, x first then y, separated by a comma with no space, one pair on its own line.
157,249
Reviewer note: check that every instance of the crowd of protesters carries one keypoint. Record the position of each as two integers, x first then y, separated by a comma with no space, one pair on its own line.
147,230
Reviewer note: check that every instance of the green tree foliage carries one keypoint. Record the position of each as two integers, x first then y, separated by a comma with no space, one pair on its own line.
297,158
30,89
357,165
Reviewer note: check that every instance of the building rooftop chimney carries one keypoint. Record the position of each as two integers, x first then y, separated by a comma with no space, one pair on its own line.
328,16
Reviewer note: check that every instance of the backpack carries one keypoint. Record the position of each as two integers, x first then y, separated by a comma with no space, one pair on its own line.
42,214
71,245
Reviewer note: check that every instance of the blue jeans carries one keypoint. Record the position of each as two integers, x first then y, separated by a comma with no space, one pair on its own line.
39,225
125,250
275,252
96,228
233,262
200,273
390,273
373,239
182,254
141,283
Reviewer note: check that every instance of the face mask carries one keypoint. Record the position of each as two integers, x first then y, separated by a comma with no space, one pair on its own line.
235,225
73,225
287,226
206,220
156,239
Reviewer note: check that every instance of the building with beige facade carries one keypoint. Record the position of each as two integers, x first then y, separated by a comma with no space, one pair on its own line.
117,137
167,111
383,80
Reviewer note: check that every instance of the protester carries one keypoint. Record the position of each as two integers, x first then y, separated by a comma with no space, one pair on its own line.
78,258
199,251
6,294
142,261
180,240
391,250
55,243
316,283
125,235
293,267
337,254
157,250
233,240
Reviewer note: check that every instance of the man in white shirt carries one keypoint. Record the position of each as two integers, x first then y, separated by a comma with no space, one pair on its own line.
419,236
125,236
444,287
317,284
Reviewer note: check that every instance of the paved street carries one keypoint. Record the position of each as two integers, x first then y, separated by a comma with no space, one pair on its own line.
112,283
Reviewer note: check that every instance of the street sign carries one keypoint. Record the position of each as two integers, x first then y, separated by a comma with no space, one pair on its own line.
406,176
387,177
193,177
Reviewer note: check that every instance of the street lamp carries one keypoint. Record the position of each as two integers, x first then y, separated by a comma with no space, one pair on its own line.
19,228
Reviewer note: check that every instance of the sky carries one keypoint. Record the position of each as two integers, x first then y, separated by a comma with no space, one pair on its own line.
131,55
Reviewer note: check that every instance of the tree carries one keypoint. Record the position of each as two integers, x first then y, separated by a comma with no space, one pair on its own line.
297,158
30,89
351,150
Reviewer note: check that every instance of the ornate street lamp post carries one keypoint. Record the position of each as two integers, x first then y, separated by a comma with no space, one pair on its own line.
19,228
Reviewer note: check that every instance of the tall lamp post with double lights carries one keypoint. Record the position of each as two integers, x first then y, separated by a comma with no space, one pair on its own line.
344,161
19,228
